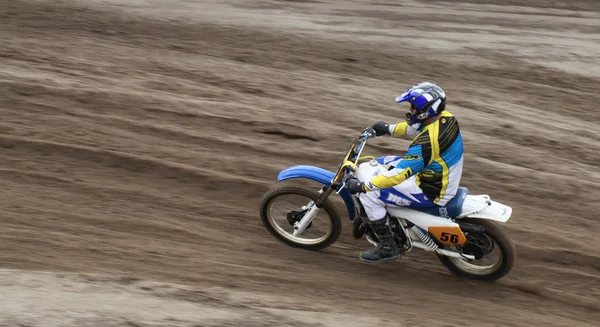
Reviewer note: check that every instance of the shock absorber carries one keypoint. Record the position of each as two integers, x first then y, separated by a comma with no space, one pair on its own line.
425,238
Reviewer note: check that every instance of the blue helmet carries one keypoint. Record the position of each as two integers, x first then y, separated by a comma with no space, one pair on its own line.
427,98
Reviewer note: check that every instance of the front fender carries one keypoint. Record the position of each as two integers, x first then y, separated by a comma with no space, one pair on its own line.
320,175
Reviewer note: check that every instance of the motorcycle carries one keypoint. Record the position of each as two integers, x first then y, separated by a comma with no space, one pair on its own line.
465,234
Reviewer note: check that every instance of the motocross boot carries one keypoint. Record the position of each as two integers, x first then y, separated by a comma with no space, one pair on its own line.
387,248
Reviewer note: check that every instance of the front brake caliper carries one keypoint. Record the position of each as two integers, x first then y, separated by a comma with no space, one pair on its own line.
295,216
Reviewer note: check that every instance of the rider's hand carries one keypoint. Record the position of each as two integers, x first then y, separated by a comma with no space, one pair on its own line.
381,128
354,186
369,131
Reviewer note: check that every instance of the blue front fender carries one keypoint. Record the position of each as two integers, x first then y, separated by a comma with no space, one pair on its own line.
320,175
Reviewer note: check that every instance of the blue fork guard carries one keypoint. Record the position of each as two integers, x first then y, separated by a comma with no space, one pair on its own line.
320,175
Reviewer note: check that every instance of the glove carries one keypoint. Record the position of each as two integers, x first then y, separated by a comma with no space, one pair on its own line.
369,131
381,128
354,186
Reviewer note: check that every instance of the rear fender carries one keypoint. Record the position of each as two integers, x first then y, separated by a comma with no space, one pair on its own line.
320,175
480,206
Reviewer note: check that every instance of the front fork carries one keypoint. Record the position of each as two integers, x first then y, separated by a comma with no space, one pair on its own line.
313,207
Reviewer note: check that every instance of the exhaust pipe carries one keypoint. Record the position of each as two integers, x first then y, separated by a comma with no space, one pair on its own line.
470,228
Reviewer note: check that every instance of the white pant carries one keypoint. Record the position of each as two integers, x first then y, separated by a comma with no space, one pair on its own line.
405,194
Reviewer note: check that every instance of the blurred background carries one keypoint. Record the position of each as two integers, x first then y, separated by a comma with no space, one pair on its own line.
138,138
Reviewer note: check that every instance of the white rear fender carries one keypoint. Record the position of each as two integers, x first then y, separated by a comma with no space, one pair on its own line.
480,206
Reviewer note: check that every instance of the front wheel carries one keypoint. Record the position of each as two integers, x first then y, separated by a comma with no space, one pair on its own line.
495,253
283,206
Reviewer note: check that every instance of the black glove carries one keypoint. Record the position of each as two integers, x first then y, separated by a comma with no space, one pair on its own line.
381,128
354,185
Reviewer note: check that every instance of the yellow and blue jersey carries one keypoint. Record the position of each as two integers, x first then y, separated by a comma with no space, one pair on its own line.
435,156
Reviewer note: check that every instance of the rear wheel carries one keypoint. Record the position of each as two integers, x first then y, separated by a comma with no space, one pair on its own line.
494,253
283,206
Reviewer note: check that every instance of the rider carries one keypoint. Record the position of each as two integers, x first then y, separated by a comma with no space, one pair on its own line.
429,173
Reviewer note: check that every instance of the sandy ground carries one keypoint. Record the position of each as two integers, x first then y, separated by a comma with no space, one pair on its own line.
137,138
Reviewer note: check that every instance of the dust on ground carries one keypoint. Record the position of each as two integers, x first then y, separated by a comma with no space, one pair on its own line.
139,136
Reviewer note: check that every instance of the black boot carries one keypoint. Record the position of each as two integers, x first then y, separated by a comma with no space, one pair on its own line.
386,248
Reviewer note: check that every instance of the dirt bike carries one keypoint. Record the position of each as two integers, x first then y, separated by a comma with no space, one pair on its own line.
464,234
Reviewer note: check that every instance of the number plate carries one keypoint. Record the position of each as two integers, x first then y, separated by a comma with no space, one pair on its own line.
448,234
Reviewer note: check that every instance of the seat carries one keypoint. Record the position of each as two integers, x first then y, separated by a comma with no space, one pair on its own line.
452,209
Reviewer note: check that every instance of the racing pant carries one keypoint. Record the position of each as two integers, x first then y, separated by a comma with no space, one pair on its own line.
405,194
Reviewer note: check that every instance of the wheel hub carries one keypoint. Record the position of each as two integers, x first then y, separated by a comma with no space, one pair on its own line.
474,250
295,216
478,246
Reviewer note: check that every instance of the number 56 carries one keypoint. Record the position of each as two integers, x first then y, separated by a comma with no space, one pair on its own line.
447,236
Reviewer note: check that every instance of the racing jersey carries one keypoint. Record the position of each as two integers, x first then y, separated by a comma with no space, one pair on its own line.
435,156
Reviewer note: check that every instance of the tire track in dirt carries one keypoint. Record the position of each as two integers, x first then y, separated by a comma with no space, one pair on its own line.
140,146
127,162
129,297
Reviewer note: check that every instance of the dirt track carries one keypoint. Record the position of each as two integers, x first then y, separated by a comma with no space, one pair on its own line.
139,136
